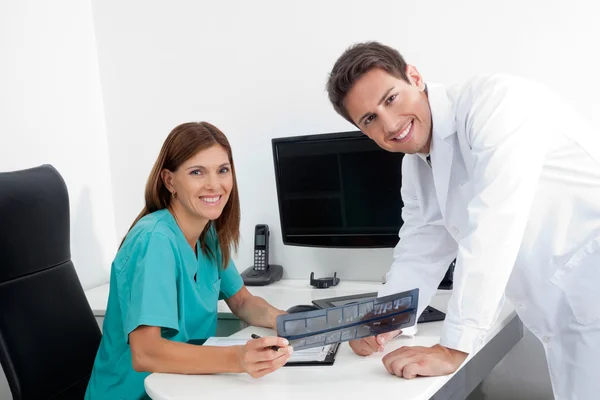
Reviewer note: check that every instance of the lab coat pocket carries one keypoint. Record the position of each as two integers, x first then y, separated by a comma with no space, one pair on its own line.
578,278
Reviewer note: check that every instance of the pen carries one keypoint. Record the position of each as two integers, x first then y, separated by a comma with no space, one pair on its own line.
254,336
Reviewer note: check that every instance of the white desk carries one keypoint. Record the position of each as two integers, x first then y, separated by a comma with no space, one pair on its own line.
351,377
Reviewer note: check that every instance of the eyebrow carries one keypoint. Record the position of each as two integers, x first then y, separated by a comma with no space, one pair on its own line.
203,167
380,101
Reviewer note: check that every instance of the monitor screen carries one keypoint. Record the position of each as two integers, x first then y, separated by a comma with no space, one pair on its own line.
337,190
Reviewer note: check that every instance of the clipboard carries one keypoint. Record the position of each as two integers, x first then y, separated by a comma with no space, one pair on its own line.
329,360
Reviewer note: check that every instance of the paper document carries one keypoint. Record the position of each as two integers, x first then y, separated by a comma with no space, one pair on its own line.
306,355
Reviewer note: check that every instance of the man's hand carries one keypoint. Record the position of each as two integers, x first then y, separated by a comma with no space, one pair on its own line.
369,345
409,362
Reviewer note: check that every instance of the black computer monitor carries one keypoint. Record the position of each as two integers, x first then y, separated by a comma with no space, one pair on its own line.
337,190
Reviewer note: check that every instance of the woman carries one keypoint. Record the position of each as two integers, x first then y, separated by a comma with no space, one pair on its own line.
173,267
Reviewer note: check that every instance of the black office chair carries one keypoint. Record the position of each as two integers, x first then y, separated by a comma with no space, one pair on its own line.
48,334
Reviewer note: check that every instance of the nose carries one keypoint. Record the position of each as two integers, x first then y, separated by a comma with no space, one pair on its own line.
211,182
389,122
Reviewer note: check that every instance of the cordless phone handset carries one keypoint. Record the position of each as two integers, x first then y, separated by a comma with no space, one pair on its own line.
261,247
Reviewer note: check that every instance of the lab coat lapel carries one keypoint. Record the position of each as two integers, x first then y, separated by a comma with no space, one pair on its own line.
444,127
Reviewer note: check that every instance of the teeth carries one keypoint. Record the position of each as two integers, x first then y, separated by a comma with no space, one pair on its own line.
404,132
211,199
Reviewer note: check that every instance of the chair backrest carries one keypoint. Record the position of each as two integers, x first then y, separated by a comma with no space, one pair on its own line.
48,334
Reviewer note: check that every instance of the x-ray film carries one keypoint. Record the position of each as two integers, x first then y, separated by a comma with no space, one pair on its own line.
352,321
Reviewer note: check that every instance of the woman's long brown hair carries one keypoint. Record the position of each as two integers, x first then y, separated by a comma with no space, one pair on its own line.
184,142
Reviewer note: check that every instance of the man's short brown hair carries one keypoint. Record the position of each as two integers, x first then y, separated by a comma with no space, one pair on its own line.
356,61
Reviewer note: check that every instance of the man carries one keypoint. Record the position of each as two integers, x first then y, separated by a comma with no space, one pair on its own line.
505,178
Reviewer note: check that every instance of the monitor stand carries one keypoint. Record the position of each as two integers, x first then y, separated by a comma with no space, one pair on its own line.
257,277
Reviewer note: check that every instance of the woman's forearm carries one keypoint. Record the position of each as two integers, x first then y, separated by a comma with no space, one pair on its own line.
257,312
181,358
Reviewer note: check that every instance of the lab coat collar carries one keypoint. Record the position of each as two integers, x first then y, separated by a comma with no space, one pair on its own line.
444,126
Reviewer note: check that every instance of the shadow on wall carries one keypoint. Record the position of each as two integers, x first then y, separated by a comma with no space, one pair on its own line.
4,390
520,378
354,264
86,249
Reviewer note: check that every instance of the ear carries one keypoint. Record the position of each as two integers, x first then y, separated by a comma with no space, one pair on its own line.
415,77
167,178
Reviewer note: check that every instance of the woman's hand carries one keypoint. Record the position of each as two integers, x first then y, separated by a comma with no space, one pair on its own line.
258,359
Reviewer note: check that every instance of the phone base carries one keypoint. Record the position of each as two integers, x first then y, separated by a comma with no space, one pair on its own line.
253,277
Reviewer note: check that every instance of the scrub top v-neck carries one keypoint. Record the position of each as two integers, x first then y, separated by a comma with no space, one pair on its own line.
157,280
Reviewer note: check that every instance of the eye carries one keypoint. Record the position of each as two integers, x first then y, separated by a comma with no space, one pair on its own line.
224,170
390,99
369,119
196,172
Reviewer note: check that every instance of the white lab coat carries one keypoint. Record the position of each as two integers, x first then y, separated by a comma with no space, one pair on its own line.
513,193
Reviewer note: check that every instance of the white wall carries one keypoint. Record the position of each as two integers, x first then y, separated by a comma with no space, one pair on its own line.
51,112
257,70
238,67
5,393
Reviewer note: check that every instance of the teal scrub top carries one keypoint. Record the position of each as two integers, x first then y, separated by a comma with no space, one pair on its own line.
157,280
